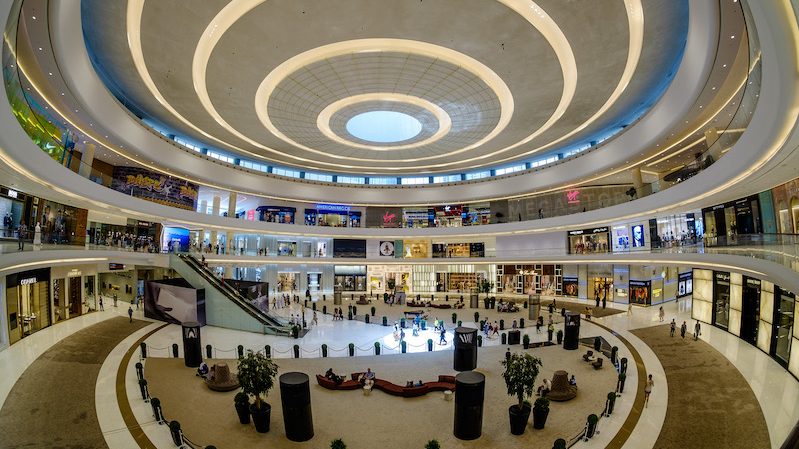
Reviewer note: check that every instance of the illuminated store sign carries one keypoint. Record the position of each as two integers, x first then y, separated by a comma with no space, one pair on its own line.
27,281
322,208
573,196
12,193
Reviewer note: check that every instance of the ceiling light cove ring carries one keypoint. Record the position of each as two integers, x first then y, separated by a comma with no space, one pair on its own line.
292,65
444,120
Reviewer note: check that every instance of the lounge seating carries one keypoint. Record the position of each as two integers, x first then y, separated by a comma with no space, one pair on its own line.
220,378
588,356
444,383
597,364
561,389
413,313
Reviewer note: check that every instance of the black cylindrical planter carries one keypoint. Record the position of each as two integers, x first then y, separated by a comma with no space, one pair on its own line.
469,398
295,395
192,348
571,331
465,353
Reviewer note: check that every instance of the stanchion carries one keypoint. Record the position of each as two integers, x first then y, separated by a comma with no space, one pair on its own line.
158,414
143,347
175,350
268,351
296,351
614,354
611,401
324,350
385,321
352,349
145,393
139,371
429,345
377,348
177,433
240,351
208,352
404,346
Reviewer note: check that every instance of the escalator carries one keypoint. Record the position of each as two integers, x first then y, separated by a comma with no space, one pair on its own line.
224,305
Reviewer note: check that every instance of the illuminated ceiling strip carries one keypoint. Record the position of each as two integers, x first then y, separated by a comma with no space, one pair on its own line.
292,65
691,145
444,120
135,8
20,266
237,8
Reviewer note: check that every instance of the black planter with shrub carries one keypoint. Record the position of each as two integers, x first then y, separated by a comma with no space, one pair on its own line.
540,413
560,336
454,317
242,404
521,371
373,310
526,341
261,417
256,374
519,418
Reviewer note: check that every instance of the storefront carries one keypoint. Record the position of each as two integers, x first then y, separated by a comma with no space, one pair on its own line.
418,218
724,221
287,281
586,241
415,249
442,250
721,300
349,248
12,208
333,215
784,309
640,292
60,223
276,214
685,284
476,214
601,287
314,281
676,230
28,307
458,282
750,309
540,279
349,278
286,248
448,216
389,278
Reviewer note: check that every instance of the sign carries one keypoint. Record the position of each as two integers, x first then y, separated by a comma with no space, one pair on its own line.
601,230
12,193
389,219
387,248
116,266
328,208
722,276
74,273
27,281
573,196
155,187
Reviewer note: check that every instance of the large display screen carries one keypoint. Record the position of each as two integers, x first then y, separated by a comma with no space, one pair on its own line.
174,301
349,248
155,187
174,239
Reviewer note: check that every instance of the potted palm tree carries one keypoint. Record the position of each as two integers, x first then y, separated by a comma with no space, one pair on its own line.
521,370
338,443
432,444
540,412
242,403
256,373
526,341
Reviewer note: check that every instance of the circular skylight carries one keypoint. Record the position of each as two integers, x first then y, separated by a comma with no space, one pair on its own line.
384,126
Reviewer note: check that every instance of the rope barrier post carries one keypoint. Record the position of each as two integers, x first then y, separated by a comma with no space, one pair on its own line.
139,371
592,422
402,323
352,349
373,310
614,354
476,318
313,306
504,338
454,317
366,318
460,323
479,341
385,320
610,403
296,351
240,351
521,322
502,325
429,345
623,365
175,350
143,347
208,352
560,443
404,345
377,348
158,414
349,315
177,433
145,394
324,309
620,383
324,350
268,351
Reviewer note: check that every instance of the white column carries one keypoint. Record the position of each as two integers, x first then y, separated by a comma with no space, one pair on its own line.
86,160
204,206
231,205
230,245
215,205
638,180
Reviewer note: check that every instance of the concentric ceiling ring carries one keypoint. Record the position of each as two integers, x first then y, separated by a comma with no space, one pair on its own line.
444,120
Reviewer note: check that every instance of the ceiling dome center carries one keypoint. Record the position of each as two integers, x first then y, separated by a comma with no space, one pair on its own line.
384,126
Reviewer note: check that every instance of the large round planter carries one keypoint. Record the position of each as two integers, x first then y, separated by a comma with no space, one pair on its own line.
261,417
540,418
518,418
243,410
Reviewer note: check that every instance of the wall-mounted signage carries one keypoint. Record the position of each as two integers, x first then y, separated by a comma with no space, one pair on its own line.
327,208
28,277
573,196
12,193
601,230
28,281
116,266
73,273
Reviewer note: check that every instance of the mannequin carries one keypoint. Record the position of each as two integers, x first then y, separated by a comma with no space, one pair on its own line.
37,236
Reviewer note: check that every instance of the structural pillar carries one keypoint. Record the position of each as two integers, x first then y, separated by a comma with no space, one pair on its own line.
86,160
204,206
215,205
231,205
638,180
230,244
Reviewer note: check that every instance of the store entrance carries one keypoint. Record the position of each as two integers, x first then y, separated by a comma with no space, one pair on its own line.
602,287
287,281
750,314
314,282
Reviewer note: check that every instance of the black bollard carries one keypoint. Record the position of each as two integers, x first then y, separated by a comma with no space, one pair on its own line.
296,351
143,347
429,344
521,322
177,433
158,414
175,350
324,350
377,348
145,393
351,347
208,352
502,325
504,338
268,351
366,318
614,354
295,396
623,365
469,398
404,346
240,351
139,371
385,321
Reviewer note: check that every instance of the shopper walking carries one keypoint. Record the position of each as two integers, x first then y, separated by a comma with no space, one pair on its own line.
22,234
130,314
661,314
101,303
648,390
697,330
630,309
672,328
683,329
443,338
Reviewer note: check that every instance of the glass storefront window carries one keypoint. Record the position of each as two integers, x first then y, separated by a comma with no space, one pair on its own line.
721,300
27,306
784,325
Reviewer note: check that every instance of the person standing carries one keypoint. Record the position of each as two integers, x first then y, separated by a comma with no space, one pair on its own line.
672,328
661,314
697,330
22,233
630,309
443,339
596,298
648,390
315,322
550,331
130,314
683,329
101,304
115,299
37,236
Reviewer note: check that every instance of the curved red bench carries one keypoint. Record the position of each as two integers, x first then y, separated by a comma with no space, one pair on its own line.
443,383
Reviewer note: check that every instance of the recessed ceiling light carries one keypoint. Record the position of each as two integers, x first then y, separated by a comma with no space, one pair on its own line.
732,37
714,87
33,17
40,48
51,73
725,65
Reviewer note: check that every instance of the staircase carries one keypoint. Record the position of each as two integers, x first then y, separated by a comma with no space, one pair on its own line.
224,306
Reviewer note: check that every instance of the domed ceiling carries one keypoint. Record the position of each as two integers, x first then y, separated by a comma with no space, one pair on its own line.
387,86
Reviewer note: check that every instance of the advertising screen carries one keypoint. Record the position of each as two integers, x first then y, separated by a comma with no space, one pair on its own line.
174,239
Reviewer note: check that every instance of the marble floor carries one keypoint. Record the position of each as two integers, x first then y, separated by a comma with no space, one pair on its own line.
775,389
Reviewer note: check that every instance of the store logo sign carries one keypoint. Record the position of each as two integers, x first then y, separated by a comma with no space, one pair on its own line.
389,217
573,196
27,281
12,193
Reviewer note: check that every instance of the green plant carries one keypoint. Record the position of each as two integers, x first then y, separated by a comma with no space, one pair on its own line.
256,373
541,405
485,286
521,370
241,398
526,339
560,333
432,444
338,443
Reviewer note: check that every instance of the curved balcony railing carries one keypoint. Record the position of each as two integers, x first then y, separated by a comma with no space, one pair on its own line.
54,132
